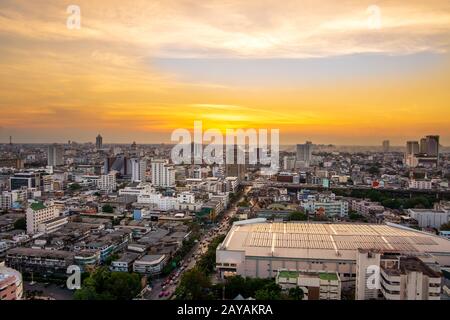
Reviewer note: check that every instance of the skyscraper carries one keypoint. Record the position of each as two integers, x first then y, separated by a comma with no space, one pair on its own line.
236,167
386,145
412,147
304,152
432,143
163,175
425,154
138,169
99,142
423,146
55,155
119,163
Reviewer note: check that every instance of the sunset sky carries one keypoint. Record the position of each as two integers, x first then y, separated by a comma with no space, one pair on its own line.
314,69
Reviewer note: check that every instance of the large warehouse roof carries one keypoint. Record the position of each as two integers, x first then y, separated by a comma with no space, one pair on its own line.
328,240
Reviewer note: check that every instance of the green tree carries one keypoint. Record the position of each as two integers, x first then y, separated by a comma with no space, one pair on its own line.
243,203
111,258
296,293
374,170
20,224
105,285
208,261
297,216
74,187
248,287
107,208
194,285
268,294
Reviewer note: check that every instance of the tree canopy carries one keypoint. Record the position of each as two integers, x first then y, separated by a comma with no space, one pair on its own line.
105,285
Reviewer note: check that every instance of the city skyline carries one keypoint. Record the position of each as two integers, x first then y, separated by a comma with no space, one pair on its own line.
317,72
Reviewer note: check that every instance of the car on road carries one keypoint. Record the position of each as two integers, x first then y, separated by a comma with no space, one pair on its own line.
161,294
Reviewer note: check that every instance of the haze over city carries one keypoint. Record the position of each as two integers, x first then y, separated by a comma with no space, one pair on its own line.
313,69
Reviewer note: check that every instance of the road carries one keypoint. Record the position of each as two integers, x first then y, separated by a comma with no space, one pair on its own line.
200,248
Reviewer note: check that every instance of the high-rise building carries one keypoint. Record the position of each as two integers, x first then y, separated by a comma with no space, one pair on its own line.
423,145
412,147
304,152
138,169
107,182
163,175
99,142
55,155
428,154
236,167
432,143
386,145
289,163
118,163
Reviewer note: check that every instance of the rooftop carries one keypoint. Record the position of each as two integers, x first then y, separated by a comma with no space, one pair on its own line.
320,240
328,276
20,251
37,206
288,274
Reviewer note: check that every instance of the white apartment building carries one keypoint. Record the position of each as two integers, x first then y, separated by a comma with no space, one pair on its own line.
107,182
186,197
150,264
366,207
163,175
8,198
138,169
429,218
420,184
231,184
38,213
55,155
53,224
148,195
289,163
159,201
331,207
136,190
409,278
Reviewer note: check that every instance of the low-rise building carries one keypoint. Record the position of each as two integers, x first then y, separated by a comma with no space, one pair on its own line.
420,184
53,224
150,264
39,260
429,218
315,285
124,263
